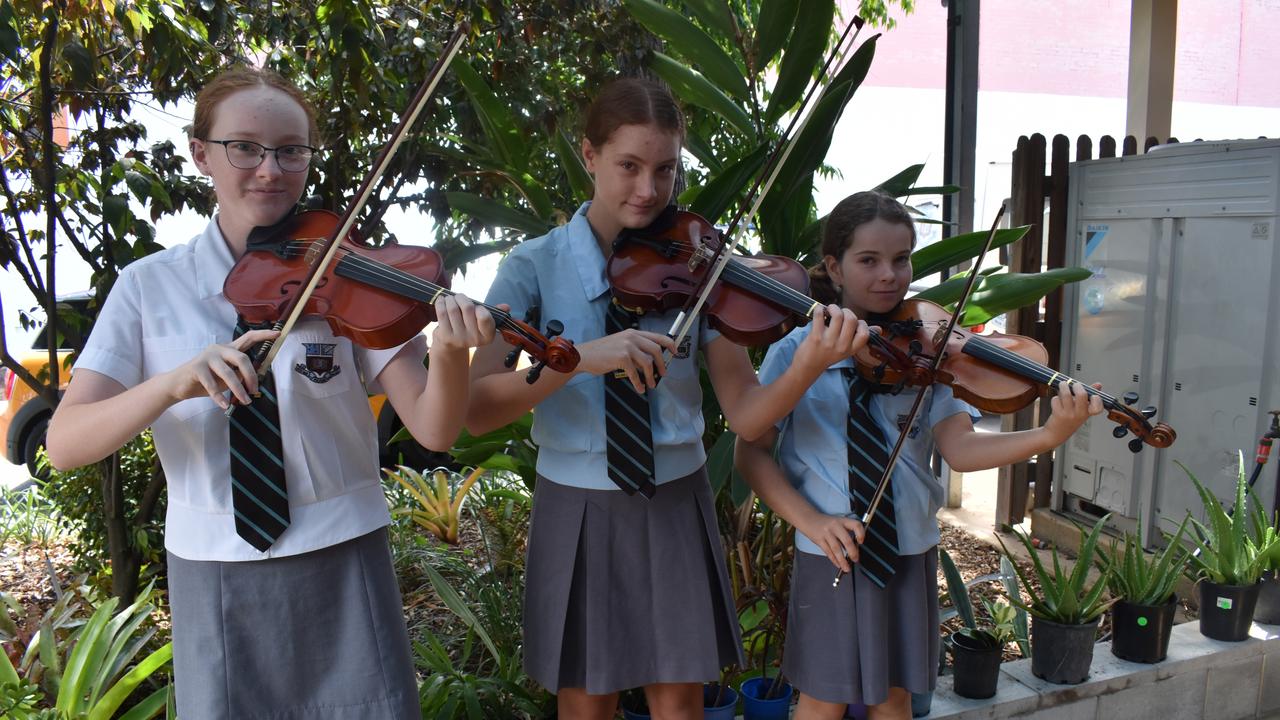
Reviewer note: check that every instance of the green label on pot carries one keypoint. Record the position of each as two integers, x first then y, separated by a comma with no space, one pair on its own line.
1224,603
1142,622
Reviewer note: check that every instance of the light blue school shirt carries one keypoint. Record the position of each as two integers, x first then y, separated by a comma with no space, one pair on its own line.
563,274
814,454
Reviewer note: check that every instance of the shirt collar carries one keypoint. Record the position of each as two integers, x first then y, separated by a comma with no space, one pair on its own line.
213,260
584,253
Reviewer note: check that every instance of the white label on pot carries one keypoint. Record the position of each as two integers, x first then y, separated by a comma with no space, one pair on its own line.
1224,603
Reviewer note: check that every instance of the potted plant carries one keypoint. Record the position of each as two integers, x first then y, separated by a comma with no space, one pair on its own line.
719,701
1142,584
1229,560
634,705
976,650
1064,611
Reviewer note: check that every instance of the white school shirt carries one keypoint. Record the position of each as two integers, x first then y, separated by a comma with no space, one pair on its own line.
563,274
813,447
164,310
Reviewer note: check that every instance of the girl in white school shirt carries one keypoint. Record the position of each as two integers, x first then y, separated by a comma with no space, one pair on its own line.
624,591
858,642
312,627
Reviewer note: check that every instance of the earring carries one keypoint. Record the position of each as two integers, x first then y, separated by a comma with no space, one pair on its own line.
839,290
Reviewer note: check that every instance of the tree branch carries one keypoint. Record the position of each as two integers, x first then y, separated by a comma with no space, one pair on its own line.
50,181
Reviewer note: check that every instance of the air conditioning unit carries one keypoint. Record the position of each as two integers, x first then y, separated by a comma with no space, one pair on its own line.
1183,309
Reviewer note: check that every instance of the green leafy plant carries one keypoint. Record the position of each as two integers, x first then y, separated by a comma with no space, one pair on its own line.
89,673
1233,548
439,503
1135,576
1065,596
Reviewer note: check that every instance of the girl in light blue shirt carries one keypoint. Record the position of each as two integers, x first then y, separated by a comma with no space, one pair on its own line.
859,642
624,590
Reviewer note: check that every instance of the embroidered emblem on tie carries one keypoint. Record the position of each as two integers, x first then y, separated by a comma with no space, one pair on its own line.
319,367
259,496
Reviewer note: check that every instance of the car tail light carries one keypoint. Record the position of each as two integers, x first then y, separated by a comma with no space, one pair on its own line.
8,379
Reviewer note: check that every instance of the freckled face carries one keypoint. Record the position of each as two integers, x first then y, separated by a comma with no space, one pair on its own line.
635,173
265,194
875,270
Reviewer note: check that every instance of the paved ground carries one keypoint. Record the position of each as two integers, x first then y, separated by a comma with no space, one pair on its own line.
12,475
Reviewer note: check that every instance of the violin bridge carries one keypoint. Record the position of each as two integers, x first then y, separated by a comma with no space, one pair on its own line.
699,256
314,249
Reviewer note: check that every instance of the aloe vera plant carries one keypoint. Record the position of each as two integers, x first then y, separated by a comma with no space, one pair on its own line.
1233,548
1065,596
1137,577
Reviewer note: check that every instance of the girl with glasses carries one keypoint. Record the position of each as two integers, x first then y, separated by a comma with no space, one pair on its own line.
283,596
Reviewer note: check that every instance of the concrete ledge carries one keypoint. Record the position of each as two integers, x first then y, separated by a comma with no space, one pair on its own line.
1201,678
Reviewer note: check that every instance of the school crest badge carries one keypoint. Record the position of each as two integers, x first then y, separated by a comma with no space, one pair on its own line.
682,350
902,423
319,367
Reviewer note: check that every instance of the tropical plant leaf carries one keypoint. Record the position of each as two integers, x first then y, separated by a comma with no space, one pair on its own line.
695,45
952,251
777,17
571,160
716,197
809,35
715,14
494,213
1000,293
495,119
956,590
692,87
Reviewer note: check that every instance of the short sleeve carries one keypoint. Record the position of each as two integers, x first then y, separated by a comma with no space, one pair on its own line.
515,284
114,347
776,361
372,362
945,404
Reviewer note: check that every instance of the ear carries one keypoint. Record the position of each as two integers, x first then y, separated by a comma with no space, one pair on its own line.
199,156
589,154
833,269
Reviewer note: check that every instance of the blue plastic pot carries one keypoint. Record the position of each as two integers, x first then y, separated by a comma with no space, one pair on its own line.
756,707
630,715
728,703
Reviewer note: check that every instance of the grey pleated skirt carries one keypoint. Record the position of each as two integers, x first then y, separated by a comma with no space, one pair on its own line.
623,592
319,636
850,644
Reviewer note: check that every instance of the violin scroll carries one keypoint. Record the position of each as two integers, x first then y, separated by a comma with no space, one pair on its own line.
549,351
1128,420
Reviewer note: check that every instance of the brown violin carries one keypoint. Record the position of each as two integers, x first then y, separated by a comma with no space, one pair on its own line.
756,300
377,297
997,373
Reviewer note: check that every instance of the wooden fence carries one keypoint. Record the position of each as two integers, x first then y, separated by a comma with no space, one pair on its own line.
1040,200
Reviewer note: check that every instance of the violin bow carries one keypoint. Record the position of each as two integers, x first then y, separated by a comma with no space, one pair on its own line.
940,342
265,353
683,322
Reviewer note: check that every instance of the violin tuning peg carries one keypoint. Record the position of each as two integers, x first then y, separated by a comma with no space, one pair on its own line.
915,347
1130,397
1135,445
1119,431
534,373
554,328
1149,412
512,357
878,372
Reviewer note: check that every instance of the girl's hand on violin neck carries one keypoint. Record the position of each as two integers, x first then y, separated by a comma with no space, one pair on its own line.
638,353
836,334
461,324
838,536
1071,407
219,368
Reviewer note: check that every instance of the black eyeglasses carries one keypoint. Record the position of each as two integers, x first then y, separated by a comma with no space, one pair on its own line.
247,155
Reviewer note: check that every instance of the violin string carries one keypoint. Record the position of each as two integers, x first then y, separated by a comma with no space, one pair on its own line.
387,272
1029,368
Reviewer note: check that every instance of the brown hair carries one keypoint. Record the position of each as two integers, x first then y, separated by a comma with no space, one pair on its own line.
239,78
632,101
837,234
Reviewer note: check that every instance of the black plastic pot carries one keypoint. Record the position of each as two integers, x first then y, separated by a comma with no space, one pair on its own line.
1140,633
1226,611
977,666
1061,653
1267,611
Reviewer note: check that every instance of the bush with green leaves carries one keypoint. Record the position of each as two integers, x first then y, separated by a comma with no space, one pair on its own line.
1065,596
1234,548
77,669
1140,578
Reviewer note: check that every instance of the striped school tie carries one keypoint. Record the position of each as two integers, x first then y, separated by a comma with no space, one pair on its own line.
868,454
258,492
627,426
